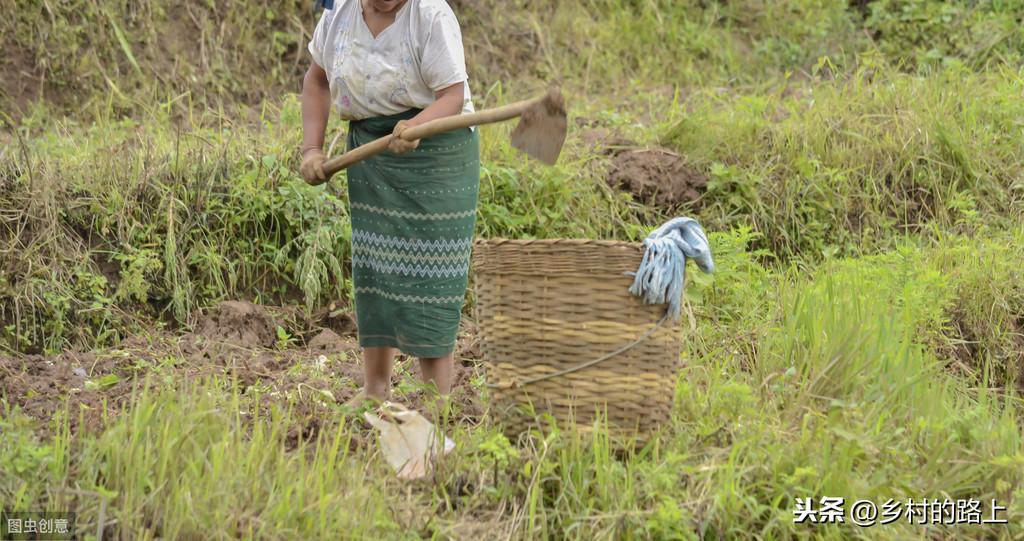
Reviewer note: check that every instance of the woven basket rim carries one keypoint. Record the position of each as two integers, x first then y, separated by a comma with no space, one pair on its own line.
544,242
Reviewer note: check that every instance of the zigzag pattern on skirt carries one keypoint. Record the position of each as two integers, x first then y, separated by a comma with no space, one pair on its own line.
410,270
410,298
383,254
419,245
413,215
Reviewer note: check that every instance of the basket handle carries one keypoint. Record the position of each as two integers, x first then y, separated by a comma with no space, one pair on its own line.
581,366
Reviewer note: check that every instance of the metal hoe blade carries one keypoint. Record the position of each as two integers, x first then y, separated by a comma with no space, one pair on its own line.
541,129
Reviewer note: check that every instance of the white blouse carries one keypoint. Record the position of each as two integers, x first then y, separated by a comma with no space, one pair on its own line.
403,67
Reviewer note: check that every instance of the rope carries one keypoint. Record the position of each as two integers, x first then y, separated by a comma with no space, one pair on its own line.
581,366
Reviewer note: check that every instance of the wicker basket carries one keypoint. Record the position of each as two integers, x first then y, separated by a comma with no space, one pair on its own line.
548,306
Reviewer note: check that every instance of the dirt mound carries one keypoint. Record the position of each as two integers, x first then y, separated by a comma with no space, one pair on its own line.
328,341
239,322
342,324
657,176
654,176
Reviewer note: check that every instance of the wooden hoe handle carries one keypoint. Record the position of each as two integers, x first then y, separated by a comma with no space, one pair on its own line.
427,129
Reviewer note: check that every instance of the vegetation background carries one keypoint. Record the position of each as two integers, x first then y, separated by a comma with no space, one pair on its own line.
859,164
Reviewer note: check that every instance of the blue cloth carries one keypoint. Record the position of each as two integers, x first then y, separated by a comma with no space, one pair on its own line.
325,4
662,272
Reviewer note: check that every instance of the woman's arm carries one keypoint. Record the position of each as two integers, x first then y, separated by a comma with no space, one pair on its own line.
316,108
447,102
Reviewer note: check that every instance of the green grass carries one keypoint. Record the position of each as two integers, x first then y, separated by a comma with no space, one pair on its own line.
845,166
848,165
861,338
182,219
841,400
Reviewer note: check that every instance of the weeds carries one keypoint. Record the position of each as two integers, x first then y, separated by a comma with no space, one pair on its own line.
842,401
862,337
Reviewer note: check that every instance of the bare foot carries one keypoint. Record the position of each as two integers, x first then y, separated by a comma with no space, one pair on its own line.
362,400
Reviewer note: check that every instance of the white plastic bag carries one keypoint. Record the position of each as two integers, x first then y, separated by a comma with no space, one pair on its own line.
408,441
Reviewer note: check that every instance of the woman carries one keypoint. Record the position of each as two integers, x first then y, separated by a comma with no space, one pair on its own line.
387,65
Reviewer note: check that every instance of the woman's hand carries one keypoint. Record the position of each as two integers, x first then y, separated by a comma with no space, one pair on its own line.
312,167
399,145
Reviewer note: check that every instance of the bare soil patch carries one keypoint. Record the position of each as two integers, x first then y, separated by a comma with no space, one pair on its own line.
657,176
20,82
234,341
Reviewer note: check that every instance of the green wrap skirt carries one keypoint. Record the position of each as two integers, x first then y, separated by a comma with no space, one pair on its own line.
412,236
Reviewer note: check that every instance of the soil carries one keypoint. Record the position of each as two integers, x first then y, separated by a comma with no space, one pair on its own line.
239,323
234,341
327,341
19,81
658,177
654,176
181,31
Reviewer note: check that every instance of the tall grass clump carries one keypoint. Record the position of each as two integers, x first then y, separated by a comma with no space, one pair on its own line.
122,219
844,401
217,465
983,334
930,33
89,56
849,165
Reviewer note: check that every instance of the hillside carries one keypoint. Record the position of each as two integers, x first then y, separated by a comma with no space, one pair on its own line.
859,165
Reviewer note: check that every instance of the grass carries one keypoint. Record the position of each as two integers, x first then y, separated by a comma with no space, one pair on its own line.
180,218
876,153
862,337
842,400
